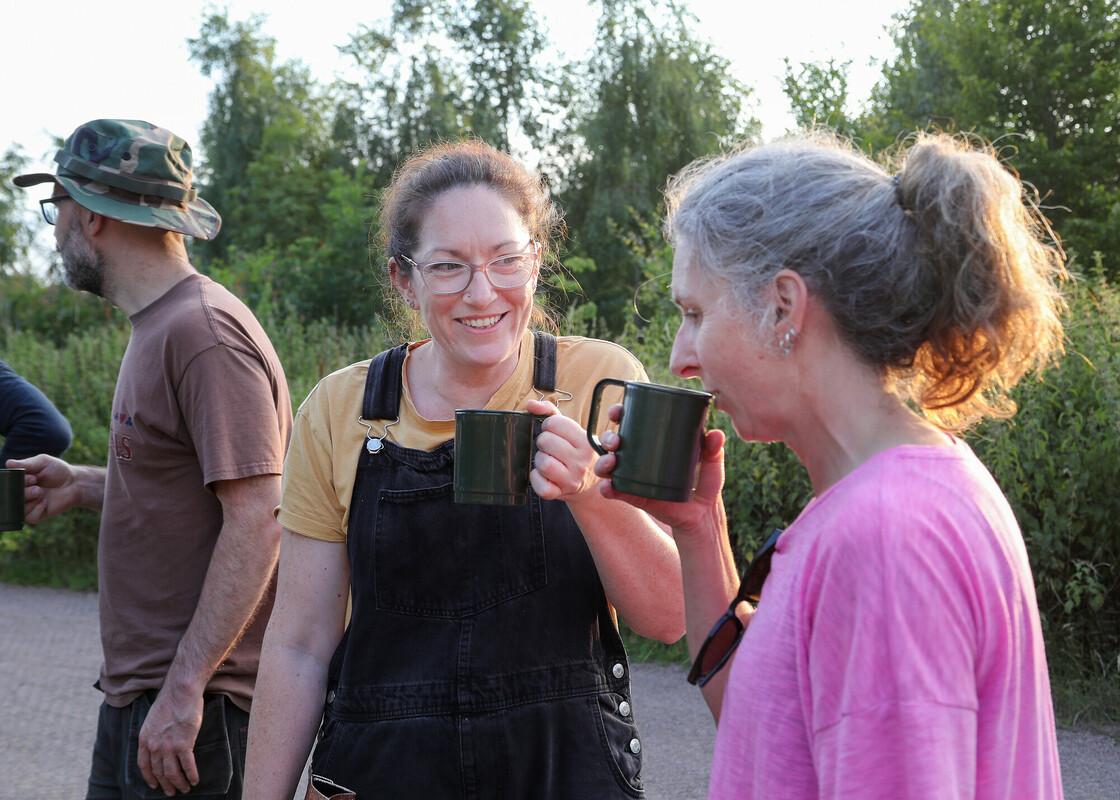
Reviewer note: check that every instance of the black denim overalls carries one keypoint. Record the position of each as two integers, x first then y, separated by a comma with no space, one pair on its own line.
481,659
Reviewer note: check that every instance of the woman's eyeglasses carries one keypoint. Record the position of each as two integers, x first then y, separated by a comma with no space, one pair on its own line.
507,271
726,634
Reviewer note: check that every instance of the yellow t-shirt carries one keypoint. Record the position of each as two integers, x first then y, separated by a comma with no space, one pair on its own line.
327,438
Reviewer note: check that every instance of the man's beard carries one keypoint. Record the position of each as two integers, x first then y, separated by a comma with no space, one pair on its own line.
82,266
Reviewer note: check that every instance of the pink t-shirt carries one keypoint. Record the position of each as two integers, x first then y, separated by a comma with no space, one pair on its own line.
897,651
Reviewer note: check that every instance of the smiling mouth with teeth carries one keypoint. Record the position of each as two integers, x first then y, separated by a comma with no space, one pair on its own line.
482,322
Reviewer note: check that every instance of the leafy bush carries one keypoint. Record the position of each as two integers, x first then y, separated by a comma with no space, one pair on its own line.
79,376
1057,460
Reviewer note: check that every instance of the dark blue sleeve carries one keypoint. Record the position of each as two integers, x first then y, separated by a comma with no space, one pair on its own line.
28,422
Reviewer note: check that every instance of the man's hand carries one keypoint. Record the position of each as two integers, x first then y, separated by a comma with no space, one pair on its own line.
166,752
52,486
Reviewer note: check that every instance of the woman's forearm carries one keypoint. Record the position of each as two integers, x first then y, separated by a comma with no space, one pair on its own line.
637,563
287,708
710,581
303,632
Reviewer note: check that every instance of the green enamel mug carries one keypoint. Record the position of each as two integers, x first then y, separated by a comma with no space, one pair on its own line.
493,456
661,432
11,499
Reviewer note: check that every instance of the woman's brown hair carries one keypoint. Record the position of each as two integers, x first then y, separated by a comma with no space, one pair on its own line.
449,165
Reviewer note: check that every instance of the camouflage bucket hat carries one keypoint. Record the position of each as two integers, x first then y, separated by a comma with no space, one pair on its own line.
132,171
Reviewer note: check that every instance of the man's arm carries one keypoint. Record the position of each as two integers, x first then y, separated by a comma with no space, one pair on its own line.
239,573
28,420
52,486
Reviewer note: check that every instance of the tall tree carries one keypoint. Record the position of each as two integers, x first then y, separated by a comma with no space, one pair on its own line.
817,94
273,172
259,109
652,98
1041,77
439,69
15,234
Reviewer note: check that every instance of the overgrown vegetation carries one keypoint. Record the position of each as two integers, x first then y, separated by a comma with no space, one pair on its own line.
1057,461
296,166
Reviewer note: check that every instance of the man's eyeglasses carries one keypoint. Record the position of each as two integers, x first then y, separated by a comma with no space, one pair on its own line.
49,207
726,634
504,272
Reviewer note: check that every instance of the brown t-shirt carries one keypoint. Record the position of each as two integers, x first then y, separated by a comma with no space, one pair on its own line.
201,397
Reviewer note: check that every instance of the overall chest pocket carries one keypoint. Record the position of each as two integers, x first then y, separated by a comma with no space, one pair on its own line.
433,557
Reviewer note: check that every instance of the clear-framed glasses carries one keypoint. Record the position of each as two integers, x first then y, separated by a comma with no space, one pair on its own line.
726,634
507,271
49,207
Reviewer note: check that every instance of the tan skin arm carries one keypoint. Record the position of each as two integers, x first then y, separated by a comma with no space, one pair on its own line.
239,573
700,530
305,628
52,486
637,560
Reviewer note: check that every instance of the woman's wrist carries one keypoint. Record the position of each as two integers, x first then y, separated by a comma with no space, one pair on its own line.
703,528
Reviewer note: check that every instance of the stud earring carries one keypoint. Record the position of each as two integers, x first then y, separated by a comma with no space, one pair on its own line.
785,344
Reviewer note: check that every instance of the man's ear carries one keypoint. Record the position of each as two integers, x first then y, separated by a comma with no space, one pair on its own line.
95,223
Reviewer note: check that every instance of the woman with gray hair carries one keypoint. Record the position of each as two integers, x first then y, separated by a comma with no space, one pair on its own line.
864,318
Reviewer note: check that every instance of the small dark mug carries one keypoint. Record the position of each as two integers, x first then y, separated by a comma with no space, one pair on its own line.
661,432
11,499
493,456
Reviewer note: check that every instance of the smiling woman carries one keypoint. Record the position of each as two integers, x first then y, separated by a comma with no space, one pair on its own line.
476,324
482,656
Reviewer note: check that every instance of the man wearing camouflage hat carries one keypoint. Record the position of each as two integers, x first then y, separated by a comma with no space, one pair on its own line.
200,421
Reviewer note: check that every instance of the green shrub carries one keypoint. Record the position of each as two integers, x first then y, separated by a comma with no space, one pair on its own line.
79,376
1057,460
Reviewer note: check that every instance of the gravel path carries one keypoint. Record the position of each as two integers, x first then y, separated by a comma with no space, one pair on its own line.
50,652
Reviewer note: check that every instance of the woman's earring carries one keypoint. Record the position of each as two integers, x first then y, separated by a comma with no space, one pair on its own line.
785,344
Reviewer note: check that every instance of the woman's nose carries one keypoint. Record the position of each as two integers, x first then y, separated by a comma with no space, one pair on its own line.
479,291
682,361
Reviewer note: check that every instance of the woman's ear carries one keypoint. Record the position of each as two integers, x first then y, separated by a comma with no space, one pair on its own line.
791,298
538,248
402,282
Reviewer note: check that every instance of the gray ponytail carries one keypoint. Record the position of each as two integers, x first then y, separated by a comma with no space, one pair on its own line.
940,278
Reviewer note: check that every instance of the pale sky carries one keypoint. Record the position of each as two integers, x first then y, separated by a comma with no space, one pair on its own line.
64,62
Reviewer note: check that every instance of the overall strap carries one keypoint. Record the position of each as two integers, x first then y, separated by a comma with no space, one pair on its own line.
382,397
544,361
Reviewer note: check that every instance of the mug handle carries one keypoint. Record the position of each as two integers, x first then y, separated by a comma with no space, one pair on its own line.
593,414
538,422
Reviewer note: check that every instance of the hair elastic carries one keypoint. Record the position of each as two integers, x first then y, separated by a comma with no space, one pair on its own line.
896,181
